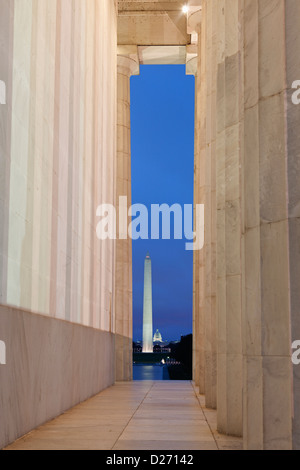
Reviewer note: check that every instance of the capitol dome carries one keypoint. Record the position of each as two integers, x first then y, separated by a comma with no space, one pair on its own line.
157,338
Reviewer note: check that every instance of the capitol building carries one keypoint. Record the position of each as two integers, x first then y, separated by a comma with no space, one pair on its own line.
157,338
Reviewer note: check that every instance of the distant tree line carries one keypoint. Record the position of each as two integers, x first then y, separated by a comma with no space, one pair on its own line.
182,352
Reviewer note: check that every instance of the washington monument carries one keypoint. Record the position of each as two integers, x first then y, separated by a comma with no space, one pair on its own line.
147,311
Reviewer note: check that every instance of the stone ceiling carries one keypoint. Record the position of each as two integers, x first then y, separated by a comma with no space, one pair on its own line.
158,28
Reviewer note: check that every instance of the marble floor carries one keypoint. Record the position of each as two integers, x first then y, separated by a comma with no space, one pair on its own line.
161,415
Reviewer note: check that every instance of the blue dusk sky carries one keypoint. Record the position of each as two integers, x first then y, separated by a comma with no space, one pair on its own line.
162,153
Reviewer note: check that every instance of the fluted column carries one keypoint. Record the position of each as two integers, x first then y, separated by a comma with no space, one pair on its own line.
271,198
205,193
229,16
193,67
257,215
209,153
128,65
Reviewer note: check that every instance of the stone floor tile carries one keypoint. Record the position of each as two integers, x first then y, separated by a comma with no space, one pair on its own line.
167,415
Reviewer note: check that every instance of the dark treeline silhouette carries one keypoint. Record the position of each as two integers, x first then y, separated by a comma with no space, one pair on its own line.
182,352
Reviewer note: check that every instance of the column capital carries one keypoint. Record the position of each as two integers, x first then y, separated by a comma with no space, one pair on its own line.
194,19
128,60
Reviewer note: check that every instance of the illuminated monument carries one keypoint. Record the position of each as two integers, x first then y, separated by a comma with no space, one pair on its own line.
147,311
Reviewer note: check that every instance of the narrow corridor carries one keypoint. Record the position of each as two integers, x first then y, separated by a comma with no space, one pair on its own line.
147,415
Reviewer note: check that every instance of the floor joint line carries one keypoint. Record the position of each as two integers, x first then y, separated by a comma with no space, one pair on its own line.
130,419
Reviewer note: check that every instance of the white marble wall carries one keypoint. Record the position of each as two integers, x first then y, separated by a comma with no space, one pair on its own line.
58,157
51,365
57,164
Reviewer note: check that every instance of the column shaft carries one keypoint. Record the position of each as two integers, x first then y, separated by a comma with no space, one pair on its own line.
127,65
205,193
266,318
249,157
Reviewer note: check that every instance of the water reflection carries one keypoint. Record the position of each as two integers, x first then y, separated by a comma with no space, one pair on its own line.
150,372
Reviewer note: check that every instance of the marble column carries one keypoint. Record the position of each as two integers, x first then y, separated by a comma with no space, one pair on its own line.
228,17
193,67
219,188
198,354
271,217
248,129
128,65
208,153
205,193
